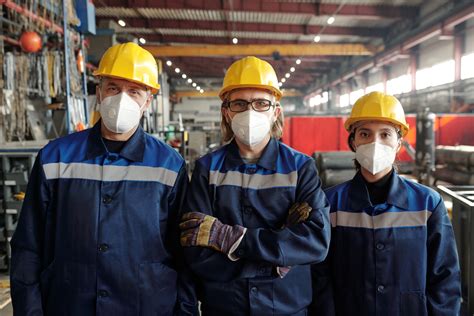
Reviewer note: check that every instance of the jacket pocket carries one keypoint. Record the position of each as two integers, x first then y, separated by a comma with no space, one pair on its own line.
413,303
157,289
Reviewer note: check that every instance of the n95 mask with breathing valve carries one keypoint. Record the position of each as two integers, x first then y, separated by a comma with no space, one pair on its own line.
120,113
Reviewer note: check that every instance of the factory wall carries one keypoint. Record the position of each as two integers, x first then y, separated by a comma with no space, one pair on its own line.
198,109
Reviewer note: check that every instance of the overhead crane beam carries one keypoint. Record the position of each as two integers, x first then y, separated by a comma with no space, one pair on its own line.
262,50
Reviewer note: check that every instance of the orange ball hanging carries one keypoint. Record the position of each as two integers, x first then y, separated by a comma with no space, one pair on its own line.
30,42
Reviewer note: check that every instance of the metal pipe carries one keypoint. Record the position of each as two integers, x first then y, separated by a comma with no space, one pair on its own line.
68,102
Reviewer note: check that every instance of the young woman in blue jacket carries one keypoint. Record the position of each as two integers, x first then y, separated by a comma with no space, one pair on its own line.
256,215
392,250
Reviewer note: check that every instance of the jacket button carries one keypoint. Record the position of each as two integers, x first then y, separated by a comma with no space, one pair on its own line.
380,246
103,247
107,199
103,293
380,288
254,290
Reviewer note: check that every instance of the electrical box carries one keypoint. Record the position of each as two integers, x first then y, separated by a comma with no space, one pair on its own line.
85,10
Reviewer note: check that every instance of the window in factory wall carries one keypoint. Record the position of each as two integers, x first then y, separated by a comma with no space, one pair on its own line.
442,73
355,95
423,78
399,85
344,100
467,66
375,87
436,75
325,97
315,101
319,99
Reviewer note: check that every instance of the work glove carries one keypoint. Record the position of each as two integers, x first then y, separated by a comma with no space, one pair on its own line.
298,212
198,229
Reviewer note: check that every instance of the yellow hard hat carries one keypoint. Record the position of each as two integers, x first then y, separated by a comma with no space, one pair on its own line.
378,106
250,72
131,62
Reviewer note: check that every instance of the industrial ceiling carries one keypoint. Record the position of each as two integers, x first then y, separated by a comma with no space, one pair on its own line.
281,32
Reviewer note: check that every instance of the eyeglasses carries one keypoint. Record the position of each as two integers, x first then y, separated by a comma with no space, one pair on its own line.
258,105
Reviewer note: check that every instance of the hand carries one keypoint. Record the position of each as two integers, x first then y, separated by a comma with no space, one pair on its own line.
298,212
198,229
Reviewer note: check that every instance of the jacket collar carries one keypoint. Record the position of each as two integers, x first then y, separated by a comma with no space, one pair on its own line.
267,160
359,196
133,150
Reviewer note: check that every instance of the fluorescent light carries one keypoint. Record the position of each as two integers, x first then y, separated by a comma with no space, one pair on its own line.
177,70
298,61
198,88
331,20
292,69
202,91
287,75
184,76
194,84
190,80
283,79
122,23
280,84
142,40
317,38
235,40
169,63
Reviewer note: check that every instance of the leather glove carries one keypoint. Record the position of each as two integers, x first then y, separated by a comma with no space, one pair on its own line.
198,229
298,212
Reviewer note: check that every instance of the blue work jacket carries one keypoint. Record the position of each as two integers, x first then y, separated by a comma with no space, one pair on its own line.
97,234
398,258
258,196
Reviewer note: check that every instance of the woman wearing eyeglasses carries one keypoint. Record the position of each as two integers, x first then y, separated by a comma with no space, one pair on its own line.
256,216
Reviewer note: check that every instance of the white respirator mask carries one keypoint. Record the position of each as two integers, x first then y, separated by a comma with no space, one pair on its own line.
375,157
251,127
120,113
